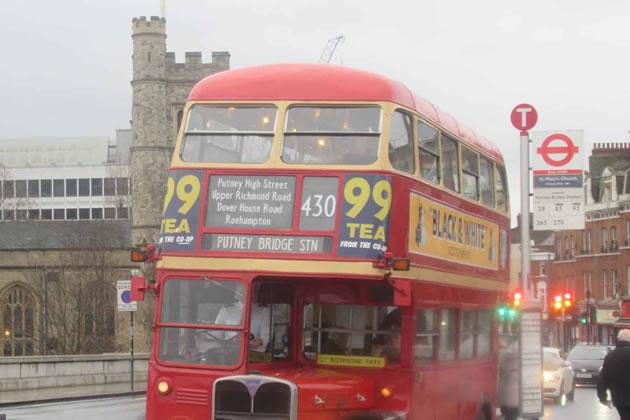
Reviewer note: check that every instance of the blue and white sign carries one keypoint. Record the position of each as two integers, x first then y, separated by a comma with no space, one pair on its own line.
125,304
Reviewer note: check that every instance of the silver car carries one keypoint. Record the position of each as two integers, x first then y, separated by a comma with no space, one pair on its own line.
558,378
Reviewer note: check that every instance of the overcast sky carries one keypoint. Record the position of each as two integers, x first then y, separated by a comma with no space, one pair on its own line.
66,64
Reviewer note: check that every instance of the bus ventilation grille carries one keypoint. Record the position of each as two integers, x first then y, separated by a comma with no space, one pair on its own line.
273,400
191,396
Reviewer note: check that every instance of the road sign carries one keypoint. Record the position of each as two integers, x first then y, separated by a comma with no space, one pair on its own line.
125,304
524,117
557,156
558,180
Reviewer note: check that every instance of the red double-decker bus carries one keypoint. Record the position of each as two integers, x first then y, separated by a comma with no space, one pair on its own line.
333,247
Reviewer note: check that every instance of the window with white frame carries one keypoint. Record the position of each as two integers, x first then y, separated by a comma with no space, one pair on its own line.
615,286
587,281
605,283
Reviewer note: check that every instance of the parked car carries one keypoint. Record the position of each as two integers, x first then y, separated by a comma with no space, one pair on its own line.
558,380
586,362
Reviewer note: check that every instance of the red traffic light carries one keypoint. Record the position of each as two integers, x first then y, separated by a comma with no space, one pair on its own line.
557,302
568,299
516,298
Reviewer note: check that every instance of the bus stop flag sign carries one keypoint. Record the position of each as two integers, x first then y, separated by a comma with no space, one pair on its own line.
524,117
558,180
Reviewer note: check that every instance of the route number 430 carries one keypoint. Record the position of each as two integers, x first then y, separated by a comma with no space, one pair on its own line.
318,205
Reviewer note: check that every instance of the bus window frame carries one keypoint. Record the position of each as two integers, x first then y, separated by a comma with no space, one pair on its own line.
293,318
437,156
458,181
490,163
300,104
271,133
412,139
239,329
463,149
434,335
500,170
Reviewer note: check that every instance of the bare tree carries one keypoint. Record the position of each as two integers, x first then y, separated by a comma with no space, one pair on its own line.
77,291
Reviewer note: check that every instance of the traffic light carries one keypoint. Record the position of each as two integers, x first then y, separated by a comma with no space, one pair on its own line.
557,302
568,300
583,318
517,296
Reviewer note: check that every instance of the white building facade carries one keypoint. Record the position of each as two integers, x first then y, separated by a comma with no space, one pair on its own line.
68,178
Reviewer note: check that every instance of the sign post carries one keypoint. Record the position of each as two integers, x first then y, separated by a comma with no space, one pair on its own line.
125,304
524,118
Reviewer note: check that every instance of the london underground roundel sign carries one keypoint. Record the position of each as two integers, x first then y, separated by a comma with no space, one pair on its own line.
560,153
524,117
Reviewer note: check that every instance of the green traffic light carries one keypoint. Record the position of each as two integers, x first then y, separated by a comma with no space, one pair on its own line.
582,320
501,312
512,313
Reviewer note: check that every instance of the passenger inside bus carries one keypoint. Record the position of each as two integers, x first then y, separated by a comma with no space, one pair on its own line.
359,330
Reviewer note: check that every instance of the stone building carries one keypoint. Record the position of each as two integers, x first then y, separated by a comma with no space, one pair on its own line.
160,88
66,236
66,205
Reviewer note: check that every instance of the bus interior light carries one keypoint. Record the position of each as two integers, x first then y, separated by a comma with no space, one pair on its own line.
401,264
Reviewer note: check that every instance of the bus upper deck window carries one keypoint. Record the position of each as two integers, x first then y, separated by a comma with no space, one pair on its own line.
332,135
229,134
429,148
450,163
401,153
501,187
487,182
470,173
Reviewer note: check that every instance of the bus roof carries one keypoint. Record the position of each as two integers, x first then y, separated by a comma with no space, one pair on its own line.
324,83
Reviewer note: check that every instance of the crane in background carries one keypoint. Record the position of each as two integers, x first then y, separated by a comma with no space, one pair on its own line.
330,48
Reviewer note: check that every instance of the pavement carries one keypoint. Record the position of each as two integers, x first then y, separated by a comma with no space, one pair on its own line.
41,395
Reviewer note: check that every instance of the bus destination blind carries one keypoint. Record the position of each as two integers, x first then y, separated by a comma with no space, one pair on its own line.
250,202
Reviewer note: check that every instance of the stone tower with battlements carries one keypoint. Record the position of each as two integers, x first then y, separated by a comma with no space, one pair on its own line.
160,87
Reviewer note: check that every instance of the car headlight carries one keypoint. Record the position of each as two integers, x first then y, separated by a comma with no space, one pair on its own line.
549,376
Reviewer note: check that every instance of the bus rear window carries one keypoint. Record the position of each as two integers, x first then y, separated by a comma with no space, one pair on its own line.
229,134
332,135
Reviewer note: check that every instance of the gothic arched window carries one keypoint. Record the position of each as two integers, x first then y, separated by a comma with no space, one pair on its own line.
17,316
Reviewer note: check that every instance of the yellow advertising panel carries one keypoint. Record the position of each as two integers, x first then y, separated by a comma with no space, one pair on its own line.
439,231
353,361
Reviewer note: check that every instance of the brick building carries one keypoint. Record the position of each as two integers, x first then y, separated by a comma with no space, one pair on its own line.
595,263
